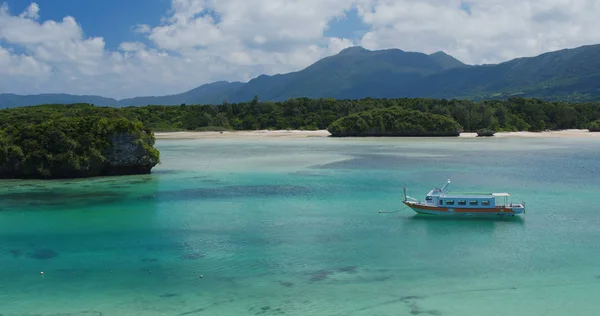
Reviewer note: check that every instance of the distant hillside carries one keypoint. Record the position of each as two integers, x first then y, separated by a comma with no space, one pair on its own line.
569,74
212,93
354,73
9,100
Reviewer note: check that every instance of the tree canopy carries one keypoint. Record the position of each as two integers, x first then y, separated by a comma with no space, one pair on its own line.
70,141
394,121
514,114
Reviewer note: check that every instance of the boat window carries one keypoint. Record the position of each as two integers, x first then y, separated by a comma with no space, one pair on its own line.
472,202
450,202
485,202
462,202
441,202
428,198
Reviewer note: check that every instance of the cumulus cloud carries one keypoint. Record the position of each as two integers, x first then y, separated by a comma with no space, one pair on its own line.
489,31
200,41
31,12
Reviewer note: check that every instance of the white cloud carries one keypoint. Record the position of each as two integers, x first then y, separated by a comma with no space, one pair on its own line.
31,12
141,28
494,31
132,46
23,30
21,65
200,41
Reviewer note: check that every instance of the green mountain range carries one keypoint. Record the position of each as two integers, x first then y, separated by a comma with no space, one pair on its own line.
568,74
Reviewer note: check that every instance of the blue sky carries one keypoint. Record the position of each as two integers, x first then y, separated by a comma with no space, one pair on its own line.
351,26
110,19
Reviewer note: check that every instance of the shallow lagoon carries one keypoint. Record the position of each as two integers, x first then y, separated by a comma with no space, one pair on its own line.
291,227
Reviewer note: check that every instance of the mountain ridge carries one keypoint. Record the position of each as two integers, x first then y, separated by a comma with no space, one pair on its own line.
356,72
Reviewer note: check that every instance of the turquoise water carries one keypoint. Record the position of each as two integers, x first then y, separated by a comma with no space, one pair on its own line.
292,227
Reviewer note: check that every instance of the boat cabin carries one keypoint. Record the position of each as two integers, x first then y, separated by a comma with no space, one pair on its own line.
466,200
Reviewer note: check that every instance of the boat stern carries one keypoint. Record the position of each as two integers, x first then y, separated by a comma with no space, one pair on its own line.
518,208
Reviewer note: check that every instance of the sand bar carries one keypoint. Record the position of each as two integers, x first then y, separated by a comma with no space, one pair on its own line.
325,133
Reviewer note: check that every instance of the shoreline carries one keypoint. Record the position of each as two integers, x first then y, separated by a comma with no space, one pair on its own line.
325,133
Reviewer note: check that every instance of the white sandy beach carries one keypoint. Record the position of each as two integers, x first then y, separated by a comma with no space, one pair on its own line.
243,134
550,134
325,133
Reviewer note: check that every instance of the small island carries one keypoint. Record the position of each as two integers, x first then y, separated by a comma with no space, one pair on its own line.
59,142
485,132
594,126
394,121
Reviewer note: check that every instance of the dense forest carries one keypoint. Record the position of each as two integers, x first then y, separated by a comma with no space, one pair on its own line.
514,114
73,141
394,121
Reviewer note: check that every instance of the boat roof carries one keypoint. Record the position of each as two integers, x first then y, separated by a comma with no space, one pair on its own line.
475,194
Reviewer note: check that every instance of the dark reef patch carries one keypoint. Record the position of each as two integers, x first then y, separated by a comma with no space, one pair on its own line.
320,275
415,308
237,191
165,171
168,295
60,197
286,284
193,256
43,254
326,273
349,269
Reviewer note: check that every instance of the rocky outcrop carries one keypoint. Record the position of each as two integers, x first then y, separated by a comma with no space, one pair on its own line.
128,154
77,148
485,132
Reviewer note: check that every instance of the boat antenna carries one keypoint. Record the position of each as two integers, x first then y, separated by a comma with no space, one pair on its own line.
445,186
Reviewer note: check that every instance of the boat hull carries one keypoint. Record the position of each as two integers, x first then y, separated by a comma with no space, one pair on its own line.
421,208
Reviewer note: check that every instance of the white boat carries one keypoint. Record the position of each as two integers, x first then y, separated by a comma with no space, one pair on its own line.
443,202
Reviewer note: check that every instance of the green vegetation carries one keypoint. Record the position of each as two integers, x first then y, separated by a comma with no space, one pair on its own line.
485,132
514,114
73,141
594,126
394,121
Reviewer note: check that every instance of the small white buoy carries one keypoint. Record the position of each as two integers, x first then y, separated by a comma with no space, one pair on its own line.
42,273
201,276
